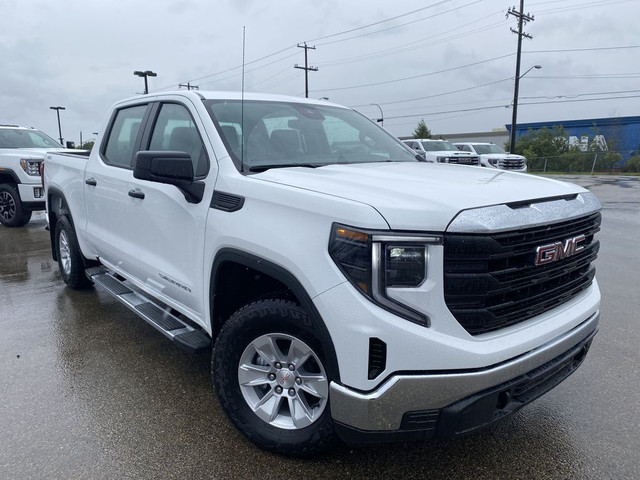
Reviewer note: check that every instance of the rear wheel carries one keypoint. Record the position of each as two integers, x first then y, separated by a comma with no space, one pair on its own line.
271,379
70,259
12,214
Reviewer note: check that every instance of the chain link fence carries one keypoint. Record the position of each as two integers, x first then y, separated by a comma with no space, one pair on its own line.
579,162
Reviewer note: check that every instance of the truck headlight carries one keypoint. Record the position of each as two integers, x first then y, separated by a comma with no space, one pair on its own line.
30,167
375,261
405,266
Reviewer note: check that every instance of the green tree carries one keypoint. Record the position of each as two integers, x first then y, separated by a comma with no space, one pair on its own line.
422,131
543,143
632,165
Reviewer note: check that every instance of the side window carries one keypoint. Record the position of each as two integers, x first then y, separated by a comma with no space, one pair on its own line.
465,148
175,130
123,134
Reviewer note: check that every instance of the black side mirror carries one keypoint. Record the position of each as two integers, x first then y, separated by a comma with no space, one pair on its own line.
173,168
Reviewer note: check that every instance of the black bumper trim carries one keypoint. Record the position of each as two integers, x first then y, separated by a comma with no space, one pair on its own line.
33,206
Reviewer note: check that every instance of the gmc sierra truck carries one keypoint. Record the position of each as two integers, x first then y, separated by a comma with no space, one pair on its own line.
21,152
344,287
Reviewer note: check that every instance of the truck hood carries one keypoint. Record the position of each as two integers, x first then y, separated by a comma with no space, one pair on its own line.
501,155
420,196
33,153
452,153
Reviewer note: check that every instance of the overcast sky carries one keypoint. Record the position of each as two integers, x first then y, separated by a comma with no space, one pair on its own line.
451,63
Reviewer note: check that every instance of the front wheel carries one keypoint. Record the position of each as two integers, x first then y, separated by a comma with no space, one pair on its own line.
11,212
271,379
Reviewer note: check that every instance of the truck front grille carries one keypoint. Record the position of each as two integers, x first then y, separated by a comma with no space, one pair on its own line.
509,163
464,160
491,281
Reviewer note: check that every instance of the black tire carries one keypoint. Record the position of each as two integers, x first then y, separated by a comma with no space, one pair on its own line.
70,259
11,212
283,327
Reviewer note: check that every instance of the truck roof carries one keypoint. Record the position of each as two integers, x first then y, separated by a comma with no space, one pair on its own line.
230,95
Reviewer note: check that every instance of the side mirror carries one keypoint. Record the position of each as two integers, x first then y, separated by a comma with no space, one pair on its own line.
71,145
173,168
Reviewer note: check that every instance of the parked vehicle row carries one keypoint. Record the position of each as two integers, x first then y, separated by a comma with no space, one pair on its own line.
487,155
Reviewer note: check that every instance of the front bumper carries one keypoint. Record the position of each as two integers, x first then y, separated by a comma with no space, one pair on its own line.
448,404
32,196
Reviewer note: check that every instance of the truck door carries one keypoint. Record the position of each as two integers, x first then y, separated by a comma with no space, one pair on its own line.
160,234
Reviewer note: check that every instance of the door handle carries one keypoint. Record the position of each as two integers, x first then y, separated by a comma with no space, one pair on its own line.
91,181
136,193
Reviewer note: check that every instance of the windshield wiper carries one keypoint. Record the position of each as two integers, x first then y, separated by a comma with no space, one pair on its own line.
263,168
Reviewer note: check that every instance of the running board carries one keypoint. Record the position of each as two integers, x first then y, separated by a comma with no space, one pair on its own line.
182,334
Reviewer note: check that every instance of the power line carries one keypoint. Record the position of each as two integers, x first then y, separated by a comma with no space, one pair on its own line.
582,6
592,49
439,94
491,107
400,25
416,76
412,45
377,23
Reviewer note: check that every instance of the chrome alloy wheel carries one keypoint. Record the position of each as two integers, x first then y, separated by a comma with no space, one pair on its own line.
283,381
7,206
64,252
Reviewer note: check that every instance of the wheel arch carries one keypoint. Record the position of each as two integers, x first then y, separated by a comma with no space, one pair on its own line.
56,207
8,176
230,271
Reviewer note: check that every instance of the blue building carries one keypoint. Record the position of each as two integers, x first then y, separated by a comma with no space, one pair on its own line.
619,134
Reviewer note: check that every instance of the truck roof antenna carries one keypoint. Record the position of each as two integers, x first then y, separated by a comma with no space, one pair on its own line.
242,104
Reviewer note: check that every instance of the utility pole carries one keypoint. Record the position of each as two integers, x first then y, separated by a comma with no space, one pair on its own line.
522,20
189,86
306,68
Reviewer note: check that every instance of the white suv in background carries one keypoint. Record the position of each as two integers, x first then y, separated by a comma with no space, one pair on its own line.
493,156
441,151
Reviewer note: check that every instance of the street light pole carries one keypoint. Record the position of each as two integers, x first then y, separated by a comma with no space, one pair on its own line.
57,109
145,74
381,119
514,118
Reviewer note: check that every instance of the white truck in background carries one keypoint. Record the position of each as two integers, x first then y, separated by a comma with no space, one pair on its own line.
441,151
347,288
21,152
493,156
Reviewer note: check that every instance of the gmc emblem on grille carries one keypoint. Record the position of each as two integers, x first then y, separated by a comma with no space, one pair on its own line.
558,250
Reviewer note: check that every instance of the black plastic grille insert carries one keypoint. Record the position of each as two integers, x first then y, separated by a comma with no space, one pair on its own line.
491,280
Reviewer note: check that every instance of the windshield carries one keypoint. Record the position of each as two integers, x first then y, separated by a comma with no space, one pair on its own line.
23,138
486,149
280,134
439,146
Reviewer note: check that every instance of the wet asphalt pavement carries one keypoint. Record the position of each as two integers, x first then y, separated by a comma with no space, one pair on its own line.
87,390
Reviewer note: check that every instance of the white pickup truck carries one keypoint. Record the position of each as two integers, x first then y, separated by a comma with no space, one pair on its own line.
347,288
21,152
